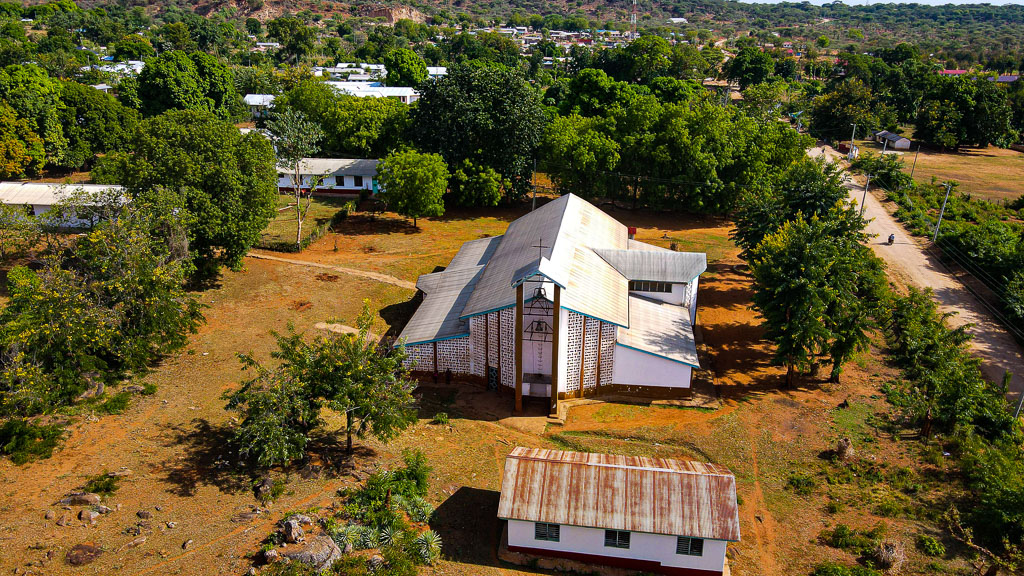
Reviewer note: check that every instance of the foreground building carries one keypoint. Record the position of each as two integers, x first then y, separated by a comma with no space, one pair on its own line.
653,515
564,304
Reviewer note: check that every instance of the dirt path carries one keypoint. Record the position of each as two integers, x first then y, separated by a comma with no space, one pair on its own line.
909,261
352,271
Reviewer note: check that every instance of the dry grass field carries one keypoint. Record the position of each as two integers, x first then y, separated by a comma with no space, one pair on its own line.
174,440
991,173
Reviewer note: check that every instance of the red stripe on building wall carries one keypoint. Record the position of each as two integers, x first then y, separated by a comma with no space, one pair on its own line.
628,563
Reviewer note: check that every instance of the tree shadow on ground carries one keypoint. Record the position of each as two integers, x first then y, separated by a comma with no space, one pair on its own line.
211,460
397,316
208,461
363,223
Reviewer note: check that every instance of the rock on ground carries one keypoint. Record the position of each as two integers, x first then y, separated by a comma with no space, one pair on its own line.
81,554
320,553
81,499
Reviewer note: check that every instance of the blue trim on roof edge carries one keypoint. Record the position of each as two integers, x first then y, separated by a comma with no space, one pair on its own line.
457,336
627,346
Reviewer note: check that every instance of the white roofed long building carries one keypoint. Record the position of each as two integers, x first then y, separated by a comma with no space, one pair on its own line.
562,305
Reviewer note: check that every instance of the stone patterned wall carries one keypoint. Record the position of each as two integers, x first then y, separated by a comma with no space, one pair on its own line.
453,355
420,357
477,345
608,332
508,350
492,327
592,343
573,341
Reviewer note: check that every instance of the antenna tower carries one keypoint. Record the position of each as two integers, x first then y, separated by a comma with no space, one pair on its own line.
632,20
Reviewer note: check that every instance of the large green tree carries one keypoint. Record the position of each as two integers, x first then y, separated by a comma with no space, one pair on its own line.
405,68
488,115
750,66
228,180
179,81
348,374
94,123
413,183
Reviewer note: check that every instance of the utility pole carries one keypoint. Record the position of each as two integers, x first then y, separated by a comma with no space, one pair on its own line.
914,167
863,201
935,238
885,145
533,184
851,138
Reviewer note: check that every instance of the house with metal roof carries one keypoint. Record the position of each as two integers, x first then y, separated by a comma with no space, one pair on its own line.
259,104
332,176
652,515
892,140
564,304
80,200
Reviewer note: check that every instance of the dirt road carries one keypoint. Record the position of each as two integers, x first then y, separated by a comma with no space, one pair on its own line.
908,261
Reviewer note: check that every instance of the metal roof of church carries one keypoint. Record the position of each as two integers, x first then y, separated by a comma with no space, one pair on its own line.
653,495
660,329
446,294
657,265
558,241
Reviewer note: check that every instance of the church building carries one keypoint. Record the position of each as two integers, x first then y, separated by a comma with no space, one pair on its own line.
564,304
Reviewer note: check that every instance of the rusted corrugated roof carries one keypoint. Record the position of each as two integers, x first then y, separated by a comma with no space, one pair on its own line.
653,495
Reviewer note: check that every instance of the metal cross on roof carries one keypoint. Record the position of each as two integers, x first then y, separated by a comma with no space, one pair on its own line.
540,248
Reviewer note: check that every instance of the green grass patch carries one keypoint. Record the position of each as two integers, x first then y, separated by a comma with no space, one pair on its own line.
280,232
568,441
102,484
833,569
802,484
852,540
24,442
115,404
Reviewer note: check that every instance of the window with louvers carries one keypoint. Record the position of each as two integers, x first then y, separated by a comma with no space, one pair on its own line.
616,539
690,546
645,286
546,532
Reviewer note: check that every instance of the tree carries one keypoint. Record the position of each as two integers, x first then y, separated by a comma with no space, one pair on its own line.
133,47
815,284
849,102
19,231
197,81
108,306
297,40
228,180
94,123
649,57
473,185
488,115
405,68
413,184
295,139
36,99
822,42
348,374
578,153
21,150
750,66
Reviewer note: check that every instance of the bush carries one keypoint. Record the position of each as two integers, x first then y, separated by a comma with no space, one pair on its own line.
102,484
854,541
930,546
115,404
441,418
801,484
23,442
428,546
833,569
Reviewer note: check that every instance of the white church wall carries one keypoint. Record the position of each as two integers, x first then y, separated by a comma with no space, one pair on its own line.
453,355
691,300
636,368
420,357
642,546
477,345
508,349
676,296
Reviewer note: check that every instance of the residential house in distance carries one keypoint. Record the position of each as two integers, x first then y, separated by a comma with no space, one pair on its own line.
651,515
564,304
891,140
259,105
341,176
38,198
403,94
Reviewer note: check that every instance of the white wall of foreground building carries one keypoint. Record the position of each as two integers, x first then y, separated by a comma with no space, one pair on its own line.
651,547
635,368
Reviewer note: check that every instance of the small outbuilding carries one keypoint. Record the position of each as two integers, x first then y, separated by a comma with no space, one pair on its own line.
259,104
895,141
652,515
